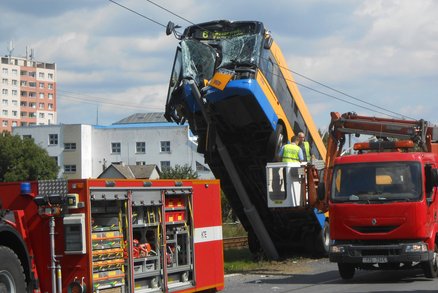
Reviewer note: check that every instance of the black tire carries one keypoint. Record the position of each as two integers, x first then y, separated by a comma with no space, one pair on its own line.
430,268
12,279
346,270
277,139
322,242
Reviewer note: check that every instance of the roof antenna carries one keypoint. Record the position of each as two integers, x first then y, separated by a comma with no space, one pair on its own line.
10,49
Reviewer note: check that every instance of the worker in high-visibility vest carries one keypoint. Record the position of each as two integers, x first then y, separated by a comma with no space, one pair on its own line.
305,146
291,152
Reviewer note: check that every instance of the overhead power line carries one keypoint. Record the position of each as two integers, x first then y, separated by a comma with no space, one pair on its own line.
133,11
80,97
348,95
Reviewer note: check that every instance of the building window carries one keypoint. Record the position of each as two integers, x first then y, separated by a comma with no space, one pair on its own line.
4,101
40,74
140,147
32,115
14,72
41,105
165,146
50,96
50,86
41,95
32,105
41,85
71,146
14,92
4,81
70,168
140,163
5,112
50,106
4,91
32,73
14,124
15,102
5,123
115,147
50,75
5,70
23,83
14,82
165,165
41,115
14,113
32,94
32,84
53,139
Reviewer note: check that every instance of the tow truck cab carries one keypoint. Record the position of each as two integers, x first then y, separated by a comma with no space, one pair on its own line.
383,212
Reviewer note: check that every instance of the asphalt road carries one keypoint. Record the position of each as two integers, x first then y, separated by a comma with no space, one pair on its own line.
322,276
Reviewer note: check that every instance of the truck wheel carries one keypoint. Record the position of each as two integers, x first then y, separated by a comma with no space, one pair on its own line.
346,270
12,278
430,267
322,243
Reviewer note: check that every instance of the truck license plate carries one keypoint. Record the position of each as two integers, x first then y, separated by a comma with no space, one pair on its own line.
377,259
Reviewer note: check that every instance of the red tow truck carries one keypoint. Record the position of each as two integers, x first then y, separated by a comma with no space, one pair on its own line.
110,236
382,200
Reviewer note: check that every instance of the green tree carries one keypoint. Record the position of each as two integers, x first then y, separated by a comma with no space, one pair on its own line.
179,172
22,159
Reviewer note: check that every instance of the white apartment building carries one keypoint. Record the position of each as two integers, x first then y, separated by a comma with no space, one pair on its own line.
85,151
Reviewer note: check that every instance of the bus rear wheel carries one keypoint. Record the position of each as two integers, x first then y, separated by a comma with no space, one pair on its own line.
277,139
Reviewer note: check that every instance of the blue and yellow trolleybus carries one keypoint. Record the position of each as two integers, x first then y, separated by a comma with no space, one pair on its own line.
230,82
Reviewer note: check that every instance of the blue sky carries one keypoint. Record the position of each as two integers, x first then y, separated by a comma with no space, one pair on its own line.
115,63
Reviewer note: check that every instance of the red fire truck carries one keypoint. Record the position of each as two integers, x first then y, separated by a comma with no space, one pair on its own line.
383,199
111,236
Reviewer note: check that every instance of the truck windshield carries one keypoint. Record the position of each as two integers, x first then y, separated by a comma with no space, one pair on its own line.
376,182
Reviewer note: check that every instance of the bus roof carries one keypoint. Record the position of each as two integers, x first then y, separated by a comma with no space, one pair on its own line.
222,29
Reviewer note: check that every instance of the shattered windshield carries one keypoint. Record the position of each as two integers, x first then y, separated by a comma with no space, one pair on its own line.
199,59
376,182
241,50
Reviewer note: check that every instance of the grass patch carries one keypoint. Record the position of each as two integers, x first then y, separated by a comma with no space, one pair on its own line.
233,230
239,260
